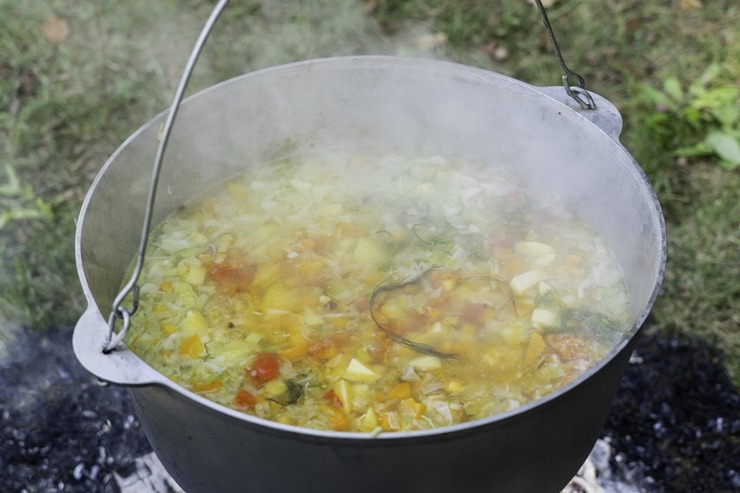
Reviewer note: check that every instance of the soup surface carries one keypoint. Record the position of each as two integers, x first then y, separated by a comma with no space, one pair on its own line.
376,293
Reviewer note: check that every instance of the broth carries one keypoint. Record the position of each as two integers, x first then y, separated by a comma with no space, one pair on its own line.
376,292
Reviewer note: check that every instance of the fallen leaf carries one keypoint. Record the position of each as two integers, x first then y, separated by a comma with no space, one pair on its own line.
55,30
690,4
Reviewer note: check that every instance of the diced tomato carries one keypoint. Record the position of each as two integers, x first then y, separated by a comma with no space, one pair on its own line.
232,279
333,399
245,400
235,274
266,367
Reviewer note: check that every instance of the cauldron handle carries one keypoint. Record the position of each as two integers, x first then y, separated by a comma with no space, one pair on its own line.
605,115
578,93
118,311
118,367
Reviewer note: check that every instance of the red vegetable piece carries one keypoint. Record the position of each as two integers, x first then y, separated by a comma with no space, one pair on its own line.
245,400
333,399
265,368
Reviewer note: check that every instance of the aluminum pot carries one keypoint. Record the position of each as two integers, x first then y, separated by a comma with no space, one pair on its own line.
371,102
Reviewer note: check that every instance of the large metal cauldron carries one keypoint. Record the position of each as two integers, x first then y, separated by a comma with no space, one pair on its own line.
378,102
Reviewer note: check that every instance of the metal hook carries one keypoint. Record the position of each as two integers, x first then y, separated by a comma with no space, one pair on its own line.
577,92
118,312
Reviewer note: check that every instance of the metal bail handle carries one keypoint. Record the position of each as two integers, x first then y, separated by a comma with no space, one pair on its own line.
118,312
577,92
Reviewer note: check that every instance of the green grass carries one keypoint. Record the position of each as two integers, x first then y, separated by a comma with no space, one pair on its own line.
66,105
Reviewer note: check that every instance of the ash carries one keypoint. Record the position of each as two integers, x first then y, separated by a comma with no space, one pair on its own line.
674,426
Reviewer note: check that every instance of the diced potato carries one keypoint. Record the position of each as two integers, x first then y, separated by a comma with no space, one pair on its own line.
545,260
533,248
275,388
344,392
545,318
357,372
522,282
544,288
426,363
370,421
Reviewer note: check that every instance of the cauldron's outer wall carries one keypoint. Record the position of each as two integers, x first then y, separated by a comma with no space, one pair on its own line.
391,103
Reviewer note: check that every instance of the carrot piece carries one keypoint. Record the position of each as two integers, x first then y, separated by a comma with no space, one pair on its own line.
400,391
295,352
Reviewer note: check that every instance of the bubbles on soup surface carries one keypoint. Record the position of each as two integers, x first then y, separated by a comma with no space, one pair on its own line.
376,292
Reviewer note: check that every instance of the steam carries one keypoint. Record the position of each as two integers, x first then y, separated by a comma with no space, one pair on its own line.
420,109
256,34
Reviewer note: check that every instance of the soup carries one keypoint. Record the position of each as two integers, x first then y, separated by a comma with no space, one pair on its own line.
376,292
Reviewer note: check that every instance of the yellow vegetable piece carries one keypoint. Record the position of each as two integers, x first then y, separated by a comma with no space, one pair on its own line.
534,349
194,321
278,297
295,352
340,423
545,318
344,392
204,387
426,363
275,388
192,346
418,408
533,248
357,372
400,391
370,421
524,281
455,385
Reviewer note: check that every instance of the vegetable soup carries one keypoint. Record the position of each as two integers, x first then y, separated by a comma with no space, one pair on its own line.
376,292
